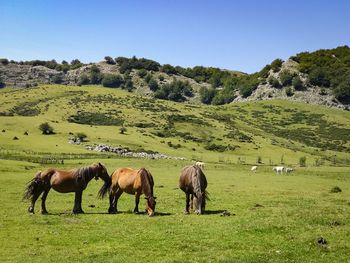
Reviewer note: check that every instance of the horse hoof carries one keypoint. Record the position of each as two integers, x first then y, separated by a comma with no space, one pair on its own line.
44,212
31,210
78,212
112,211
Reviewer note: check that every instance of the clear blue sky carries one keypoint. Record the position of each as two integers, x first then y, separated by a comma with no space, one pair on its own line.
238,35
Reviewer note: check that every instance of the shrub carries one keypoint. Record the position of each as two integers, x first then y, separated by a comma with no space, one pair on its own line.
168,69
142,73
46,129
335,189
318,77
2,83
206,94
276,65
83,79
274,82
122,130
286,78
289,91
153,84
297,83
57,79
342,91
81,136
302,161
109,60
112,80
4,61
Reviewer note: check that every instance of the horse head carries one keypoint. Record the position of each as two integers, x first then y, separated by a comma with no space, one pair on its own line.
102,173
151,205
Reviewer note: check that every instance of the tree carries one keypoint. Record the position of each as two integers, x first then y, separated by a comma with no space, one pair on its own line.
4,61
168,69
112,80
122,130
142,73
109,60
302,161
153,84
46,128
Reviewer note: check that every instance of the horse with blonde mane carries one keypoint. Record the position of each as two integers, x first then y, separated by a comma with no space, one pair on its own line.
193,183
134,182
64,182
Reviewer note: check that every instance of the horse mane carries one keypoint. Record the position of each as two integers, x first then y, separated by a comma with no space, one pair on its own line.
85,173
147,181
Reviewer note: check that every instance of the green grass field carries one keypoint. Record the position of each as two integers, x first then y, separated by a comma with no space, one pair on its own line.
273,218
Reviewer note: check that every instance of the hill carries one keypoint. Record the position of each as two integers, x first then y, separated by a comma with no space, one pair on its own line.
267,132
321,77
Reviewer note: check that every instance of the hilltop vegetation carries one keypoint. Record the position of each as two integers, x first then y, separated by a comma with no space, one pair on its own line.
323,75
247,130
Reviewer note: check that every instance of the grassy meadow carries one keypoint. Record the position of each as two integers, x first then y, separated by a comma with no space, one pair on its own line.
273,218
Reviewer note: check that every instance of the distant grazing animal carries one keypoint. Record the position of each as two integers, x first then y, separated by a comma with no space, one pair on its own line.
289,170
193,183
200,164
254,168
64,182
134,182
278,169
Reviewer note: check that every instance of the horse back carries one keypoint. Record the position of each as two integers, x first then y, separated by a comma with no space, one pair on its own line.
126,179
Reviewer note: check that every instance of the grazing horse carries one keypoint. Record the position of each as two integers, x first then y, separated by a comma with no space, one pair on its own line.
278,169
193,183
64,182
254,168
135,182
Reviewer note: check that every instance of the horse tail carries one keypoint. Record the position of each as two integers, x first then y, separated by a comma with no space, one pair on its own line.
33,186
106,187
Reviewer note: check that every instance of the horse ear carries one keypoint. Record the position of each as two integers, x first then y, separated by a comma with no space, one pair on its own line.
100,164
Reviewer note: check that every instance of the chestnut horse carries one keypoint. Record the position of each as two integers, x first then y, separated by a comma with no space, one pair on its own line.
193,183
135,182
64,182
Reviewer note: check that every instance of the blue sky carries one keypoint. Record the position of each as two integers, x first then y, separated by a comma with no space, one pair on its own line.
237,35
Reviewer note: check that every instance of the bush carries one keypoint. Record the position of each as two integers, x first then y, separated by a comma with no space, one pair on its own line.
4,61
83,79
109,60
142,73
302,161
122,130
206,94
57,79
168,69
297,83
342,91
46,129
318,77
274,82
2,83
81,136
112,80
153,84
335,189
286,78
276,65
289,91
175,91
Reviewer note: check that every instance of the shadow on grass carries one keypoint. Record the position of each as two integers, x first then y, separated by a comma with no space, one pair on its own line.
214,212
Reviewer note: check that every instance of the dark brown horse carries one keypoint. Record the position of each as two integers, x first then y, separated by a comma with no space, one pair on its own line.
193,183
135,182
64,182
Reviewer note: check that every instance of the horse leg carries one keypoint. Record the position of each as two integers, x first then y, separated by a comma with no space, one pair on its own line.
34,198
191,202
43,200
77,203
113,201
137,201
187,203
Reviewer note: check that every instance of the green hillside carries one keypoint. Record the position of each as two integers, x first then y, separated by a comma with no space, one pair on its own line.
272,131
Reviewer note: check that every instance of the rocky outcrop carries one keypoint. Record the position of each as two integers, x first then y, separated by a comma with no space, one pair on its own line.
127,153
